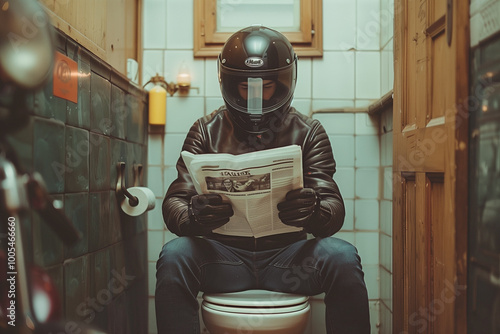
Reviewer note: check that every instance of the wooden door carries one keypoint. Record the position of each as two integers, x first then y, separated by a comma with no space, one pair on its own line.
431,45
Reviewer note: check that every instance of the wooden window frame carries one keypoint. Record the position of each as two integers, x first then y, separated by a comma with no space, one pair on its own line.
308,42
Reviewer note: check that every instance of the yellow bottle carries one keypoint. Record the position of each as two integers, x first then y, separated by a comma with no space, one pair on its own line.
157,103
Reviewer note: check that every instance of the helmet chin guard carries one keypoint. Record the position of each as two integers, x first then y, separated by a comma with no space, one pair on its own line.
257,74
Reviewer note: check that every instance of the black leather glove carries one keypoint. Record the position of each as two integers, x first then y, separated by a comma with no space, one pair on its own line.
206,213
299,207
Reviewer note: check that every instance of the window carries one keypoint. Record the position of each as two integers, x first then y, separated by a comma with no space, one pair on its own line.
299,20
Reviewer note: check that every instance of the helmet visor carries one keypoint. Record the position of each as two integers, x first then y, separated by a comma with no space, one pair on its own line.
257,92
253,91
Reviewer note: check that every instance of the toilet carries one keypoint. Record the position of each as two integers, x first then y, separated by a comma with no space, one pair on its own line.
256,312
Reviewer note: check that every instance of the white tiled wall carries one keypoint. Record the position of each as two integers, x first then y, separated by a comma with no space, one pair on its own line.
355,70
368,25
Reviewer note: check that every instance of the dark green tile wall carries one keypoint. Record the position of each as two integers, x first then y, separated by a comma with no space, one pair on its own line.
76,174
75,147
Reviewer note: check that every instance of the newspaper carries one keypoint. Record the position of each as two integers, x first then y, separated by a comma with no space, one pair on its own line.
254,183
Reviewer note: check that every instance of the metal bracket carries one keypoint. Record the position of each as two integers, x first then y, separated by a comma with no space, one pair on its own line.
137,175
121,189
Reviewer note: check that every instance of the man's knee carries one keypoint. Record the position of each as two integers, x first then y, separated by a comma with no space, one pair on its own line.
342,265
339,253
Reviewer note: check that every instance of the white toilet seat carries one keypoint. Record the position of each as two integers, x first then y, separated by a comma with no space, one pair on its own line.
258,311
255,299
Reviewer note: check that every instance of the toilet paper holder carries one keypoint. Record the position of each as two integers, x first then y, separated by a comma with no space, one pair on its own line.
121,189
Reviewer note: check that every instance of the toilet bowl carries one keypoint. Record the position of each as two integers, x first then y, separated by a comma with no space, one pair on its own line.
256,312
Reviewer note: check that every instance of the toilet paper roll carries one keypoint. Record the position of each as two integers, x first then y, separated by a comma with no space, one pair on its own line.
146,199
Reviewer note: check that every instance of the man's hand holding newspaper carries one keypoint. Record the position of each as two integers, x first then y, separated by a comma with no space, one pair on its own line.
254,183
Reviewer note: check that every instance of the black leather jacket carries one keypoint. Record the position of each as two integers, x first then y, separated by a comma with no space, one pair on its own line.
218,133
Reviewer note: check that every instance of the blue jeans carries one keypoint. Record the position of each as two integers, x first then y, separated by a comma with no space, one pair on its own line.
188,265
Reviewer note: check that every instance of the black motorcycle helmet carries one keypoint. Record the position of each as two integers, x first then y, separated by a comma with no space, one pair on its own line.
257,52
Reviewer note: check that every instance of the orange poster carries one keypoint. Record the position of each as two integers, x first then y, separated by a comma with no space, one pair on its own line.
65,78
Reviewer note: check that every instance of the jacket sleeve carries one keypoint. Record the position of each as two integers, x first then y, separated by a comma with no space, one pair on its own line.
175,203
319,168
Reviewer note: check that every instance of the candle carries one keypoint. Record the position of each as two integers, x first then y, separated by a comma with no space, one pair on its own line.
184,78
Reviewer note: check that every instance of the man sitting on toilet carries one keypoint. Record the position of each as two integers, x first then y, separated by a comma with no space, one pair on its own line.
201,260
